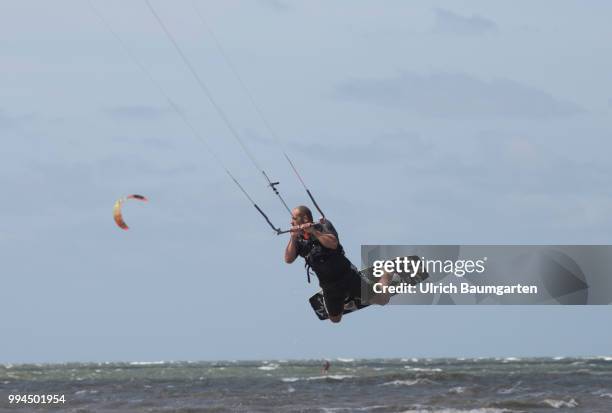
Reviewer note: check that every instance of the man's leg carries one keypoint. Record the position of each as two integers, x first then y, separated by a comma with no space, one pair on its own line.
334,303
335,318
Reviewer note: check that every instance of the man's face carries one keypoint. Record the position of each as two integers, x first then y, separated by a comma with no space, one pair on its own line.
298,218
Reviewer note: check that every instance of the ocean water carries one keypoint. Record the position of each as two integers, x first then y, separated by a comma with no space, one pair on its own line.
386,385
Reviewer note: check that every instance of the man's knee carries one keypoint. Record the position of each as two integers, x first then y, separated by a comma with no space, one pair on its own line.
335,318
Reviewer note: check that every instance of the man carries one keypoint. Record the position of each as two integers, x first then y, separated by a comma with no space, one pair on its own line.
318,244
326,367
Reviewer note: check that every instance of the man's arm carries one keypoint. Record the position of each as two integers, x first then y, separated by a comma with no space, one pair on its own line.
325,238
291,250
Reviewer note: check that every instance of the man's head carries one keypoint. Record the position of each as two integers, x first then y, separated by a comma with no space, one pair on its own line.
300,215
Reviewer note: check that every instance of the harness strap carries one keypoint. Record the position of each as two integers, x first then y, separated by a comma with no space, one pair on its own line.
307,266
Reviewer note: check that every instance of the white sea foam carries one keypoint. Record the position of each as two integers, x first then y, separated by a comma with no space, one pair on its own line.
146,363
577,363
330,377
557,404
457,390
407,382
600,358
268,367
290,379
423,369
451,410
352,409
345,360
605,393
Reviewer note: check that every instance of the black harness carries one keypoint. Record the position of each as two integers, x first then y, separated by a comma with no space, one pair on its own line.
316,251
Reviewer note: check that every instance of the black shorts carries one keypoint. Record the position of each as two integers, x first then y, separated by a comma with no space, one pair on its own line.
350,285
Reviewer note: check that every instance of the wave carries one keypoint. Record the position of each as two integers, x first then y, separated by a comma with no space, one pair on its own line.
557,404
352,409
408,382
328,377
422,369
452,410
345,360
602,393
290,379
268,367
534,404
146,363
596,358
331,377
509,390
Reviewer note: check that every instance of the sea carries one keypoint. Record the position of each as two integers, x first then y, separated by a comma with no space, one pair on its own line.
409,385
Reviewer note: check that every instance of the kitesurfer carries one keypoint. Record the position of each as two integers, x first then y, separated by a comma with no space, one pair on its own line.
318,244
326,367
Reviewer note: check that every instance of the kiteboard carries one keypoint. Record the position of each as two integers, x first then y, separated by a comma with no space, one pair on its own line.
317,301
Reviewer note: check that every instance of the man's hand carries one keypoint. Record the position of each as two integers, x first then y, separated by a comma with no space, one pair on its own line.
294,234
307,227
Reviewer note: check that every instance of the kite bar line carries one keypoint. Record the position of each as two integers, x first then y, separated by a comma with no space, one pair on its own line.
304,185
249,95
175,107
277,230
214,103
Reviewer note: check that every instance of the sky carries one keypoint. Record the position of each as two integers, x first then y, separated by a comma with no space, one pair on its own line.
417,123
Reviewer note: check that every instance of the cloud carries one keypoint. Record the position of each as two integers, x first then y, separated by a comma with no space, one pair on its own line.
137,111
457,95
448,22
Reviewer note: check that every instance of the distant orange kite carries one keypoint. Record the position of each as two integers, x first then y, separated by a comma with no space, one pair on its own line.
117,209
